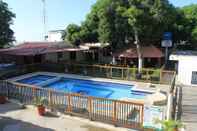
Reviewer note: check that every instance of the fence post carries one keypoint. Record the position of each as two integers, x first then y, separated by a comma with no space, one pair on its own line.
114,119
142,115
34,92
69,109
147,75
169,106
160,81
122,73
110,72
7,89
50,98
90,107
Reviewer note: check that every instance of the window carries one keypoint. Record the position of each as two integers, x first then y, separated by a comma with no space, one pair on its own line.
194,77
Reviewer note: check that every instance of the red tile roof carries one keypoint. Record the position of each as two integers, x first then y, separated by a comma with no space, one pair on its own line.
147,52
36,48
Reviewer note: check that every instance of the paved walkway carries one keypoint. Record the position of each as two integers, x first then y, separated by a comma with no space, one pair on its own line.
14,119
189,108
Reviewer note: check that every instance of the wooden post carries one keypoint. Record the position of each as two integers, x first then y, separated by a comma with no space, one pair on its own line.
90,107
160,80
122,73
50,98
114,119
69,108
110,72
34,92
142,115
147,74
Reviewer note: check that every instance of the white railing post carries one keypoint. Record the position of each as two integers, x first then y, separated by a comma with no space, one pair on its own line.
169,106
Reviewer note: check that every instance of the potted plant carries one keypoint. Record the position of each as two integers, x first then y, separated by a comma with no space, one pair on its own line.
40,103
170,125
2,99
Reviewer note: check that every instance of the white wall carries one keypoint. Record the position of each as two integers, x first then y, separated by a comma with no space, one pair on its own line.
54,36
186,64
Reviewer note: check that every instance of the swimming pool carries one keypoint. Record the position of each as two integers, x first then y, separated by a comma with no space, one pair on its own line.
85,87
35,80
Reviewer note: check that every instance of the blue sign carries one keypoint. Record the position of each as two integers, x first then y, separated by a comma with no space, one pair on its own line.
167,36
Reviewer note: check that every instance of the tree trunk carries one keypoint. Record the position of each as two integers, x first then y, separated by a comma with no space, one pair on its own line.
139,52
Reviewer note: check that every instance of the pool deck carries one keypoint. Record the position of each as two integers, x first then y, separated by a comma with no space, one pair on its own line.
15,119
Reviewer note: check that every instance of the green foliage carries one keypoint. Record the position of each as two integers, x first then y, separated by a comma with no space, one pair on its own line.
170,125
116,21
6,33
190,23
73,34
194,34
40,101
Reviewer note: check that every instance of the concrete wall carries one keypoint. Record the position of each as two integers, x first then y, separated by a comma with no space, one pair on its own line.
53,57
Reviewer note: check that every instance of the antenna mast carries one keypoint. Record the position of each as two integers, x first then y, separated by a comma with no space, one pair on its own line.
44,20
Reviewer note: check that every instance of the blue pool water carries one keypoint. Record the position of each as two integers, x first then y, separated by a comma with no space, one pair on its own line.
96,89
35,80
86,87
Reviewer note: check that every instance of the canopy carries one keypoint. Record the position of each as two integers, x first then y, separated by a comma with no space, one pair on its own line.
147,52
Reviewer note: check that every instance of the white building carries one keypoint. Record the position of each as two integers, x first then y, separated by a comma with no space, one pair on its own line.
55,35
186,65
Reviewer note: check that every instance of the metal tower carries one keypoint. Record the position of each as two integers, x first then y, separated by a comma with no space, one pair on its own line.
44,20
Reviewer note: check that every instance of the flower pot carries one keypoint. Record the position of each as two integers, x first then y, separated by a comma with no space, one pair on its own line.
176,129
2,99
41,110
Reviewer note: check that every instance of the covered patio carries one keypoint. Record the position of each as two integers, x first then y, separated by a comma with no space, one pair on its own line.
152,56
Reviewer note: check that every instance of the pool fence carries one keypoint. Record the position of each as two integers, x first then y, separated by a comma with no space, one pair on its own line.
120,113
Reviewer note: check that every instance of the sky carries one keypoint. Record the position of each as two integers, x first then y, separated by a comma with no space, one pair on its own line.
28,24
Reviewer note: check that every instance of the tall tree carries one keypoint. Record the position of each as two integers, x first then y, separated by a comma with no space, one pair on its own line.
73,34
122,22
6,19
148,19
190,13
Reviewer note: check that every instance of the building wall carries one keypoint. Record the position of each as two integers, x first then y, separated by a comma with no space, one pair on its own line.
52,57
66,56
80,56
186,65
54,36
104,59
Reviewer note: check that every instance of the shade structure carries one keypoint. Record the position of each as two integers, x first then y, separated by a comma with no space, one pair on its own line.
131,52
38,48
157,98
